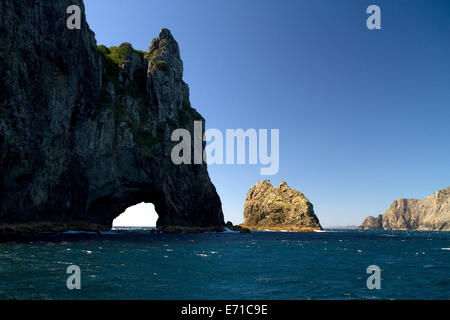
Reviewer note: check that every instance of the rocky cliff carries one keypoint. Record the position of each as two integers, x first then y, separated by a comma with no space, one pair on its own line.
431,213
85,130
278,208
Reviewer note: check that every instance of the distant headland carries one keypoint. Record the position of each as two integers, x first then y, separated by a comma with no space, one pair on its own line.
431,213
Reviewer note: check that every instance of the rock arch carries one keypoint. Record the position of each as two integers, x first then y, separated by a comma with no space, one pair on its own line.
85,129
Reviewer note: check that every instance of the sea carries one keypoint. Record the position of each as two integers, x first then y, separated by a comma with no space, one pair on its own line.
133,263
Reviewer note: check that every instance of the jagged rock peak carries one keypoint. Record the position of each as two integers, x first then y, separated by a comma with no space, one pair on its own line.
164,48
165,76
278,208
431,213
165,36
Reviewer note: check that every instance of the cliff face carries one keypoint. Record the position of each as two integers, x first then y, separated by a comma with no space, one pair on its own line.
278,208
85,130
431,213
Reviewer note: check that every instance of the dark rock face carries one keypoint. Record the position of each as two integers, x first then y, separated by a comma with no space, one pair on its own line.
431,213
232,227
278,208
85,130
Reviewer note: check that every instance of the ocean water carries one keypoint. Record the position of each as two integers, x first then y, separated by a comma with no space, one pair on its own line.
135,264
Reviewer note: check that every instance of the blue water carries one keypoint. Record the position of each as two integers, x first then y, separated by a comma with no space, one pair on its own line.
135,264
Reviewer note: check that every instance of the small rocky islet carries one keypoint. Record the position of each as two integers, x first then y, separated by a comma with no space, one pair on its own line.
278,209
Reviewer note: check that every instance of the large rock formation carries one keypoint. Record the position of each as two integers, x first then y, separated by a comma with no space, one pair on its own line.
431,213
278,208
85,130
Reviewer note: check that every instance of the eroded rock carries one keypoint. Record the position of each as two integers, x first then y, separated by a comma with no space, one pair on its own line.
278,208
238,228
85,130
431,213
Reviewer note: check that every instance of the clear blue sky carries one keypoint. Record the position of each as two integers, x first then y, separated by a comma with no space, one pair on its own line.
364,116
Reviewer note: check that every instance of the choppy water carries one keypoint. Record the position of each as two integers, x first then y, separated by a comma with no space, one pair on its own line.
263,265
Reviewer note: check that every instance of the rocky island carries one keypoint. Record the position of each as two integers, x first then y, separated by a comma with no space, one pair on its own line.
85,130
431,213
278,208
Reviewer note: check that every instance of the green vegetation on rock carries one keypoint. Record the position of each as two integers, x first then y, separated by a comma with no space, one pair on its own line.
111,69
114,56
160,65
118,54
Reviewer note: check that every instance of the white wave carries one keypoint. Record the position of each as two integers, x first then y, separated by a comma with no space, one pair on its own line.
445,248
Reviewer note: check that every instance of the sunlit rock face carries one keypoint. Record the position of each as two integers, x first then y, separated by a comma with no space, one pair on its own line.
85,130
278,208
431,213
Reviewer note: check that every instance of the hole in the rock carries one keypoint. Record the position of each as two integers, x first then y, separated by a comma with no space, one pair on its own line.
139,215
